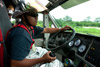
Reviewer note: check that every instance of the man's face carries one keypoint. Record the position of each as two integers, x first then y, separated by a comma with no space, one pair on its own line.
32,20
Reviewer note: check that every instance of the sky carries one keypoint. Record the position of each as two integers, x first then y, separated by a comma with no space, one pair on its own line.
78,13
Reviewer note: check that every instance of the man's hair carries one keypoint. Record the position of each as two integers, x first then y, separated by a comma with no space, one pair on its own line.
31,12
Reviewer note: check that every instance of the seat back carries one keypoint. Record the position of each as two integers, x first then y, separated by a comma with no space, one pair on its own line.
5,25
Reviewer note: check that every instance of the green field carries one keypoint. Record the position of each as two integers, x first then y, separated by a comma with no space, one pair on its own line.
91,31
79,27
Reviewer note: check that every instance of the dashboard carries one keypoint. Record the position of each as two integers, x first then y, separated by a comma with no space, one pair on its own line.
86,47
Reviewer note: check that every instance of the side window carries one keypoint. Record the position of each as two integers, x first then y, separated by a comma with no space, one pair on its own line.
40,20
51,25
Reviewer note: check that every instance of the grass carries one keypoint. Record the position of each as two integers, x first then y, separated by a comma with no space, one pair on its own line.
79,29
91,31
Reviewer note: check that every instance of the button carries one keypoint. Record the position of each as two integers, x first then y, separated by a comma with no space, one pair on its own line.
93,59
93,48
37,53
65,64
89,57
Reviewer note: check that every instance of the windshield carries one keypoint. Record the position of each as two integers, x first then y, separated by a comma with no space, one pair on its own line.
84,18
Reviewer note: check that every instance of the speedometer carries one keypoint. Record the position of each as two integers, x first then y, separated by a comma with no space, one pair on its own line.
71,43
77,42
82,48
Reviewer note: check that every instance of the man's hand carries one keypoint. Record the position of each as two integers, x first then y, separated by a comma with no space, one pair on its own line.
48,58
53,30
65,28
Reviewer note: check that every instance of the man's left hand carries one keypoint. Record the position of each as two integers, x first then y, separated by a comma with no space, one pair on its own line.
65,28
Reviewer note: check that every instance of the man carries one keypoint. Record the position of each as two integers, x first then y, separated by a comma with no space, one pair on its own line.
21,50
10,11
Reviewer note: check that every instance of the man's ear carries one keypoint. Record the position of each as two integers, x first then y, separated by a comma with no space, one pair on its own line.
23,17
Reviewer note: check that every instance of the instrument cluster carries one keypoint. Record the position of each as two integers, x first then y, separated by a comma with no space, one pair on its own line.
78,44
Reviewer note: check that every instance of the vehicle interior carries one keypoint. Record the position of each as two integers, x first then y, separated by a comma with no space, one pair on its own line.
74,49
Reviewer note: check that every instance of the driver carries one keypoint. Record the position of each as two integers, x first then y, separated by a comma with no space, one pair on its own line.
20,43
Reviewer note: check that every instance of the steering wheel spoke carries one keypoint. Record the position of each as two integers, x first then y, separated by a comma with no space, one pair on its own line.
51,45
60,39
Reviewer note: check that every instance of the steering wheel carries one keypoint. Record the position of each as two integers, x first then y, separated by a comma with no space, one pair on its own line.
59,39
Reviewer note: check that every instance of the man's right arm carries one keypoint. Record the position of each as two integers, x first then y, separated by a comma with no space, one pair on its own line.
20,49
26,62
30,62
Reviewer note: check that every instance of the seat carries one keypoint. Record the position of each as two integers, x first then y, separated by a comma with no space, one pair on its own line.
5,25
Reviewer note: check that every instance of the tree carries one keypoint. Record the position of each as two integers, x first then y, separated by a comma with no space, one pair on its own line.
67,18
87,19
97,20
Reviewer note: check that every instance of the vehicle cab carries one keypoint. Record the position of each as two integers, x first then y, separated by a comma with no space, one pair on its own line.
77,47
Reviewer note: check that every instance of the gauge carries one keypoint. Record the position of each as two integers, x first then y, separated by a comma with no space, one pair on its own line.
82,48
71,43
77,42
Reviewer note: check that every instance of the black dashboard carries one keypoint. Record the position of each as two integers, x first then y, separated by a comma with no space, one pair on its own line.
86,47
87,50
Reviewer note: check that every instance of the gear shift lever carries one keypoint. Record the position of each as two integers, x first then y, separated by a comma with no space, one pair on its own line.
52,54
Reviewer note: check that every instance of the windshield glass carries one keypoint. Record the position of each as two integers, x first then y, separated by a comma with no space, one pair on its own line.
84,18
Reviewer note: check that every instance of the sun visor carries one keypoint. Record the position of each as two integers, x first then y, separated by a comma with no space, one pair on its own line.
37,4
72,3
